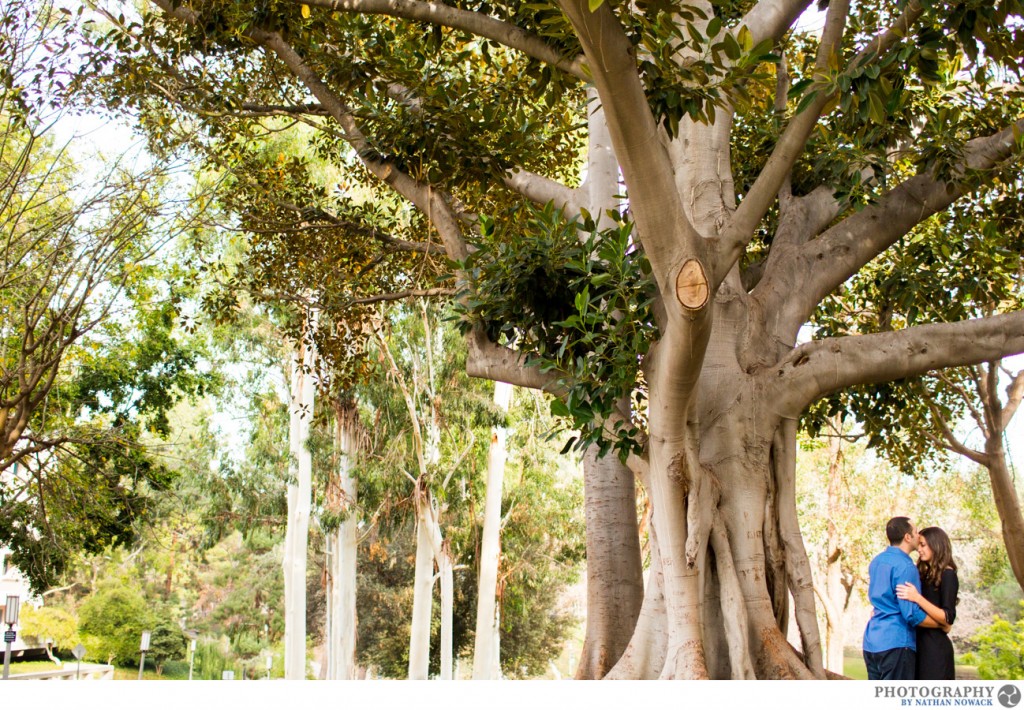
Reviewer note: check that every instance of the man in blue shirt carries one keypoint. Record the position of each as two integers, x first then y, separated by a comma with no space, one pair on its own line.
890,639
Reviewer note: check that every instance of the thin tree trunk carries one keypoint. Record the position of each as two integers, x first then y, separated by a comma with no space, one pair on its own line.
484,650
422,601
342,544
299,504
446,574
1007,505
169,581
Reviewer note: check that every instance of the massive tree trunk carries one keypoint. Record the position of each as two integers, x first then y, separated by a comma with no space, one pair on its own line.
341,548
614,574
300,492
487,630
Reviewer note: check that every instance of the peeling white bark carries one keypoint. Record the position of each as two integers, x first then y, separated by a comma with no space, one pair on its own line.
487,636
341,556
422,600
300,490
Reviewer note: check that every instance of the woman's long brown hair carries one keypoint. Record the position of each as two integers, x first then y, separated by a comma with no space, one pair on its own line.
942,556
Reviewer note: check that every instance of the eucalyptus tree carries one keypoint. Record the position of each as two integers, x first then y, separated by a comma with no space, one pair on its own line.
764,167
486,650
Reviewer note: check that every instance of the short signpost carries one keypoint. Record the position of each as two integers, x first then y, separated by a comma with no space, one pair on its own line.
79,652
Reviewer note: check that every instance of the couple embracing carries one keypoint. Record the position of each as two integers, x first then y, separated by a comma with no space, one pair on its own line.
913,606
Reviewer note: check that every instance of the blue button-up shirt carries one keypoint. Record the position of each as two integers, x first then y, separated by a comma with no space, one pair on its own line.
893,622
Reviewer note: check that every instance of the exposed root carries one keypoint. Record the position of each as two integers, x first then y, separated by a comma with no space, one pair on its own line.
734,610
777,659
801,583
700,509
686,662
644,657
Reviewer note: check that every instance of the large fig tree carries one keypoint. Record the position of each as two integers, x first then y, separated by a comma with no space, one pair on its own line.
642,205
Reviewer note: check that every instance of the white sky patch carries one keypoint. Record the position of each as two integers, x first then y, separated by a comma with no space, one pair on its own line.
811,21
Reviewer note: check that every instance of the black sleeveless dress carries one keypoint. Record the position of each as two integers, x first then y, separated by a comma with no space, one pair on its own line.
934,649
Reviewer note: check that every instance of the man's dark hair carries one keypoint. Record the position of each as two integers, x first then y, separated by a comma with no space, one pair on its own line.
898,528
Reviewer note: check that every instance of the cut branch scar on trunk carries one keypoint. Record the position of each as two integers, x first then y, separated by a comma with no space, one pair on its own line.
692,285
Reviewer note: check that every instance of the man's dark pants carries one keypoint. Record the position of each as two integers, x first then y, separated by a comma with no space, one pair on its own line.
894,664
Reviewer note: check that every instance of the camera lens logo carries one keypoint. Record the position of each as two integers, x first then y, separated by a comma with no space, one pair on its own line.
1009,696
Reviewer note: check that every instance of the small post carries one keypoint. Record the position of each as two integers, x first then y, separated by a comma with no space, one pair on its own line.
143,647
270,664
10,618
79,652
191,657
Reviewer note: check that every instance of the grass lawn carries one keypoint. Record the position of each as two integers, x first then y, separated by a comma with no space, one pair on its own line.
172,673
33,667
853,667
147,674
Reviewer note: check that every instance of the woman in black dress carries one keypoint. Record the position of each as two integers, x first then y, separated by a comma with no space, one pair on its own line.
938,598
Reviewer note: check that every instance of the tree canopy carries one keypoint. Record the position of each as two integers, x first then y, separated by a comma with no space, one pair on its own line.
728,177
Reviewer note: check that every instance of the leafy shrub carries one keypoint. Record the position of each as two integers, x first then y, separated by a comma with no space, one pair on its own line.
167,641
211,660
50,622
112,621
1000,654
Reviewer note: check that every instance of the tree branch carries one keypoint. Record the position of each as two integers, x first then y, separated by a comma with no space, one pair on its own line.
949,441
335,221
790,145
490,361
823,366
966,398
411,293
542,190
425,197
473,22
771,18
990,403
1014,394
824,263
642,155
307,109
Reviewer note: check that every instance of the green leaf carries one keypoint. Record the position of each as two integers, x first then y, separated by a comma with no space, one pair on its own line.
732,47
876,109
594,4
559,409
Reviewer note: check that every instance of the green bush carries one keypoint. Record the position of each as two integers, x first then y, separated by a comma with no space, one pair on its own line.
1000,654
50,622
111,622
167,642
210,661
